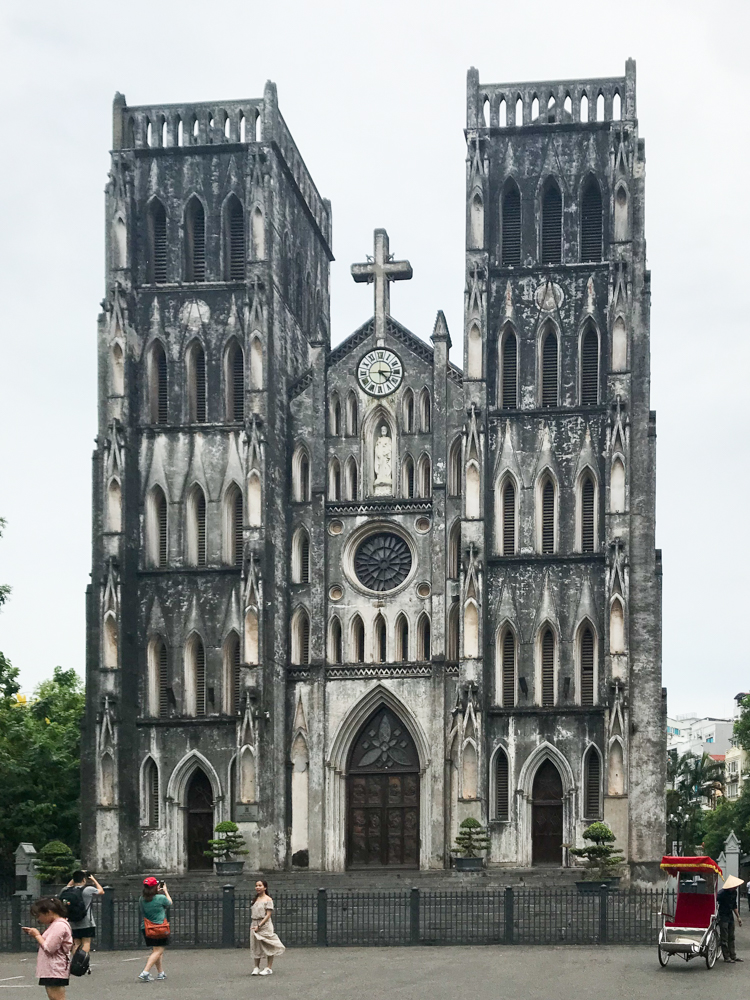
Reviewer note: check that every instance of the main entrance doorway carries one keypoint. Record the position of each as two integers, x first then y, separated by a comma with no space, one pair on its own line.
200,820
547,816
382,785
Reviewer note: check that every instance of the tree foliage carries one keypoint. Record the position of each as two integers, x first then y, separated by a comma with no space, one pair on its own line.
472,838
55,862
602,859
39,762
742,726
229,842
692,782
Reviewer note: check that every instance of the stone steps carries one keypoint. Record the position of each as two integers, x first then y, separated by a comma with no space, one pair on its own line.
383,879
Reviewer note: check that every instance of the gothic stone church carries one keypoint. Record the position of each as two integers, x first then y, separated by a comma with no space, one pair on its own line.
350,596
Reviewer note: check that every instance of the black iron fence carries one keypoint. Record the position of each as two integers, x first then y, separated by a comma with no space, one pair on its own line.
417,916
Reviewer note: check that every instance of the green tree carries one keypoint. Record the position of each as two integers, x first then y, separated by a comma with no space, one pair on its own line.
39,762
742,726
472,838
692,781
602,859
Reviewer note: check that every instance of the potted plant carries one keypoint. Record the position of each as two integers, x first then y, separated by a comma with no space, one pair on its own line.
55,862
229,842
471,840
603,861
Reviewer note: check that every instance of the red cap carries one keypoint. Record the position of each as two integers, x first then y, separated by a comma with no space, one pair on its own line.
151,880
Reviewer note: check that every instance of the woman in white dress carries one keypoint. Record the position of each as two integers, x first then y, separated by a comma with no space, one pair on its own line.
263,939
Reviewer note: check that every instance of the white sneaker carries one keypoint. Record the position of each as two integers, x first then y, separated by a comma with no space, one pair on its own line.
145,977
266,972
255,972
162,975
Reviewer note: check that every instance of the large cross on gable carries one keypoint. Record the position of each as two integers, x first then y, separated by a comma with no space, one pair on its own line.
380,270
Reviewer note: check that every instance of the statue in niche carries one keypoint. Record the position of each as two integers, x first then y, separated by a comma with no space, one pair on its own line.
383,483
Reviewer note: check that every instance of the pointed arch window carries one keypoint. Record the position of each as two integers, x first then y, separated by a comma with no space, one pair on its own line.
550,374
233,525
552,206
507,669
548,668
587,672
110,643
351,414
508,517
591,222
301,637
511,226
454,551
590,368
407,477
476,221
235,382
232,673
548,517
502,787
425,411
334,480
402,639
252,636
335,645
472,490
616,627
301,476
454,469
592,784
157,243
158,384
358,640
196,533
424,479
156,524
118,371
334,416
471,630
114,506
195,681
301,557
259,235
158,680
256,363
351,477
408,412
452,646
588,514
424,639
234,240
474,352
381,640
617,487
195,241
196,370
151,790
509,371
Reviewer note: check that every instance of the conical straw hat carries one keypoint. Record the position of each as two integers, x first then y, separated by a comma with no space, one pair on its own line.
732,882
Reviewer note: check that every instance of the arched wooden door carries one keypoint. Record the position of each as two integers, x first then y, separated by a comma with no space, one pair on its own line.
382,784
547,816
200,820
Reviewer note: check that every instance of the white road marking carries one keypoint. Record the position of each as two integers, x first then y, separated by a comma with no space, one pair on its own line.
8,978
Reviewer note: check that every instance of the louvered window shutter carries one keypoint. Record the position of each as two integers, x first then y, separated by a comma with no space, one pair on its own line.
548,518
548,668
587,668
238,384
381,641
511,250
590,369
304,573
159,244
509,519
153,796
510,372
199,361
509,670
587,516
359,641
200,517
549,370
501,786
237,253
593,784
237,541
552,226
235,676
591,223
163,681
200,677
161,520
198,248
161,387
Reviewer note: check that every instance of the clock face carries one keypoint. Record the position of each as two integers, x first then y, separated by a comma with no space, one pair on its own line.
380,372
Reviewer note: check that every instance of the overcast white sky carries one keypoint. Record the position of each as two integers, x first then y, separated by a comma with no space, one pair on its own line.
374,95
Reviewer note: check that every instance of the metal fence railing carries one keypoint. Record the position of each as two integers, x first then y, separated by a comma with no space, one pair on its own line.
411,916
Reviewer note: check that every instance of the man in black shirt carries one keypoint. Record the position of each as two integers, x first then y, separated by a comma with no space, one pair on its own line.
727,900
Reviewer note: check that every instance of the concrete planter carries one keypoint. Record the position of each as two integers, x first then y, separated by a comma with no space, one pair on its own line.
468,864
229,867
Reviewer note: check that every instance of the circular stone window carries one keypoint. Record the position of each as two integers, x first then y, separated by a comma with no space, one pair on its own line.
423,524
424,590
335,527
336,592
382,561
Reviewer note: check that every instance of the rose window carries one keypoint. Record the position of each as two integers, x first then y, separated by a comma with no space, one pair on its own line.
382,562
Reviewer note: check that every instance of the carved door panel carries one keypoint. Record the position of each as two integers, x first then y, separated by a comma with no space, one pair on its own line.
200,821
547,816
383,796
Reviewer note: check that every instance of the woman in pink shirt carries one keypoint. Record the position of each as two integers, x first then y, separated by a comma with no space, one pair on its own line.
55,945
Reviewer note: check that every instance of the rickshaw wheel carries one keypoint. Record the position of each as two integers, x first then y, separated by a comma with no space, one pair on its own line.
664,956
712,951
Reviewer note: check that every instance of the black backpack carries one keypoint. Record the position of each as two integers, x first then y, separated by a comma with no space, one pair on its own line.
79,963
77,909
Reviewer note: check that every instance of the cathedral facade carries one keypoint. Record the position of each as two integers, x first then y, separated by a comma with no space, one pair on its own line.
350,596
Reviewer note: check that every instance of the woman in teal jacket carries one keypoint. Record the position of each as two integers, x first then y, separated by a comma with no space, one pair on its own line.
154,906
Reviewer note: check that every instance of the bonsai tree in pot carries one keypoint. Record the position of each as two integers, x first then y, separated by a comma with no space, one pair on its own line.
471,840
229,842
603,861
55,862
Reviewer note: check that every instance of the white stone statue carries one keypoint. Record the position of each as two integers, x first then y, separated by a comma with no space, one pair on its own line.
383,484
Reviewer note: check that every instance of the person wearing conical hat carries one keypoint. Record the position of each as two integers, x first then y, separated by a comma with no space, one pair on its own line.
727,900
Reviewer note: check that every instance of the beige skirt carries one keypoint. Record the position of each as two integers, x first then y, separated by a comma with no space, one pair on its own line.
265,943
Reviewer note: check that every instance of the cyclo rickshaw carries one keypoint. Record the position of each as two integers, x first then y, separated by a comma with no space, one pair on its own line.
690,926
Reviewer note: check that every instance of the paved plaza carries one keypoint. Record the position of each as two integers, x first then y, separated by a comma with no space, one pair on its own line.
484,973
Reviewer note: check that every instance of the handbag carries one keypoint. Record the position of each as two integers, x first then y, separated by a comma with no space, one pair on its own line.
152,930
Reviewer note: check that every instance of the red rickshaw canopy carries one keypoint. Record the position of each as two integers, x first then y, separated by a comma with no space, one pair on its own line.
673,865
